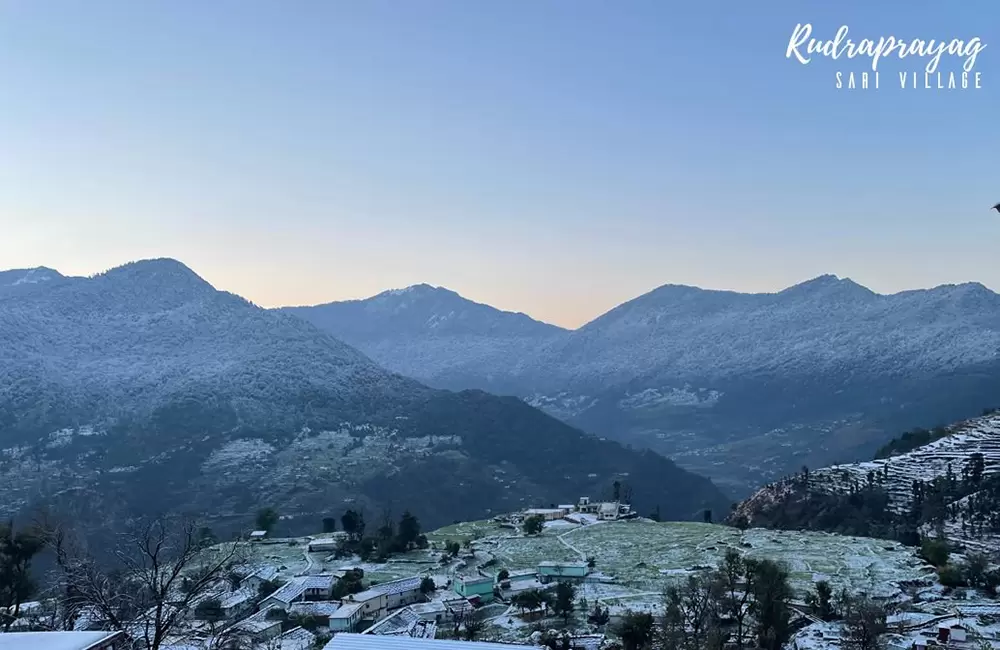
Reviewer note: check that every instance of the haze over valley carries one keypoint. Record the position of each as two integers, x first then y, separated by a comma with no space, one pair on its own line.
742,388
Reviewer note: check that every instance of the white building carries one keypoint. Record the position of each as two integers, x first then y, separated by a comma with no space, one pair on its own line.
324,545
404,591
548,514
347,617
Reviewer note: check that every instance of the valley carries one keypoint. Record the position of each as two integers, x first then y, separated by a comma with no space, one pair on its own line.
144,389
823,372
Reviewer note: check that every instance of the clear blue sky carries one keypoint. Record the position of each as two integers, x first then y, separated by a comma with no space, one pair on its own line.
550,157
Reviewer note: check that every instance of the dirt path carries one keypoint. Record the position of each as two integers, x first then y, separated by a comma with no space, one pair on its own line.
561,537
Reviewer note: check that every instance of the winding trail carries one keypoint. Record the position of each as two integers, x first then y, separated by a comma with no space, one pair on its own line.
570,546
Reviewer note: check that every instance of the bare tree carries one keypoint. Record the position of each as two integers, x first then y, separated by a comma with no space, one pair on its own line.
865,624
162,568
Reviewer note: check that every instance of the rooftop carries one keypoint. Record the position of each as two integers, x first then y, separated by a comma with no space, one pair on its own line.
54,640
238,597
314,607
324,581
389,588
398,586
346,641
296,639
266,572
291,590
346,610
399,622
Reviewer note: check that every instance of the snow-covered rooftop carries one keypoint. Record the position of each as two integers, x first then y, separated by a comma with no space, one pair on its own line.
296,639
347,641
53,640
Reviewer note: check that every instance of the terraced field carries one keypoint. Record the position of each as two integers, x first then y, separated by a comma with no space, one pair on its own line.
642,556
980,435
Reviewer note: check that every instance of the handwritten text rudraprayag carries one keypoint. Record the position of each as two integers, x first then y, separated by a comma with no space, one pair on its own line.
803,46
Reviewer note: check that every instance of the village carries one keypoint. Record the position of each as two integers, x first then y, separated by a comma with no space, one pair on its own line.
288,598
494,583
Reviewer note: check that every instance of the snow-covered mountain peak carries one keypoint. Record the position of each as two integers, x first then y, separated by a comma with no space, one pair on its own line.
162,267
828,286
30,276
17,281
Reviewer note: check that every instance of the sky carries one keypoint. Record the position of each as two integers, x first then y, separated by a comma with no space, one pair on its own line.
548,157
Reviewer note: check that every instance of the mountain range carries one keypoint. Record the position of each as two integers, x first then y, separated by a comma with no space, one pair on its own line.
742,388
144,389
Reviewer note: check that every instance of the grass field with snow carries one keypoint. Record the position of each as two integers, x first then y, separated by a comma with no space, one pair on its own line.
642,555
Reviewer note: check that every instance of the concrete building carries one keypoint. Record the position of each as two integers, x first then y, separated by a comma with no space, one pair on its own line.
470,587
347,617
435,611
548,514
324,545
548,571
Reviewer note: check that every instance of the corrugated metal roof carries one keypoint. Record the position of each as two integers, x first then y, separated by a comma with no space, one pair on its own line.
53,640
346,641
397,586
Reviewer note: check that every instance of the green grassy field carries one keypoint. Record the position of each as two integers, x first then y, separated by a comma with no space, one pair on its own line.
644,555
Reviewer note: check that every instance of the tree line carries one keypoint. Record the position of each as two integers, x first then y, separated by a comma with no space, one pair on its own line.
743,603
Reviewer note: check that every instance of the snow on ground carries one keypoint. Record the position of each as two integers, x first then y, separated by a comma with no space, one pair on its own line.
923,463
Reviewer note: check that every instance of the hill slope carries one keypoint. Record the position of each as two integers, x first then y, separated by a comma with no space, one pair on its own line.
740,387
949,485
144,389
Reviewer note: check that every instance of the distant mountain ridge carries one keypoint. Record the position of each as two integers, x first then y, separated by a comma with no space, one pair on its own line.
146,389
821,371
434,334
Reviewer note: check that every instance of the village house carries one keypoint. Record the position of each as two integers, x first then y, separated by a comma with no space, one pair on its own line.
347,617
318,609
605,510
548,514
548,571
238,602
259,576
474,588
401,592
434,611
258,535
295,639
373,604
260,629
324,545
318,587
955,632
404,622
457,608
